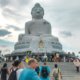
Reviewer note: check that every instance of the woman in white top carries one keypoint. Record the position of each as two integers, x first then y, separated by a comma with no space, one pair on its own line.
20,69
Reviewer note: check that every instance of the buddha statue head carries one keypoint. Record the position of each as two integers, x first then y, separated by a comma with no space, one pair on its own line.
37,11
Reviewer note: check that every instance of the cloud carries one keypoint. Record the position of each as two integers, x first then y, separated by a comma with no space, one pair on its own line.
63,14
24,2
3,3
12,38
0,26
14,3
4,32
15,15
14,27
6,43
65,34
9,13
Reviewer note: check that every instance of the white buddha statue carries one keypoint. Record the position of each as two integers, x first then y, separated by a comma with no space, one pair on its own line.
37,37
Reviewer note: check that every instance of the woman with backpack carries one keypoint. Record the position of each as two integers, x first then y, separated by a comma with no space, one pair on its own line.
16,70
56,73
44,72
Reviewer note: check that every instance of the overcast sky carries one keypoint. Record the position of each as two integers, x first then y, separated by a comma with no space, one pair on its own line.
64,16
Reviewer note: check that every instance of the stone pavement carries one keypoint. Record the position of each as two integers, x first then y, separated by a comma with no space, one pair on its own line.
67,68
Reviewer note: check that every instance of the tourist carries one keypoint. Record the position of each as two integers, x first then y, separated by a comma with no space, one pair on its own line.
44,72
45,58
4,72
56,73
77,64
16,70
29,73
20,69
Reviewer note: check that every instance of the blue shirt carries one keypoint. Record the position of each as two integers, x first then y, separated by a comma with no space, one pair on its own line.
29,74
48,78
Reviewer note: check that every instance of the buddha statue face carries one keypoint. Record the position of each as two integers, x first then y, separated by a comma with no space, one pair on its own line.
37,11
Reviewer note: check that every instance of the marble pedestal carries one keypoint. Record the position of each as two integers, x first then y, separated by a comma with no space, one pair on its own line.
38,44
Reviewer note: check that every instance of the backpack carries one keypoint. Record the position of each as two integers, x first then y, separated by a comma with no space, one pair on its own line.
37,70
56,74
44,72
13,75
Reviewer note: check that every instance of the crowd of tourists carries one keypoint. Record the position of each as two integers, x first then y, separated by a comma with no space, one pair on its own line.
18,71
